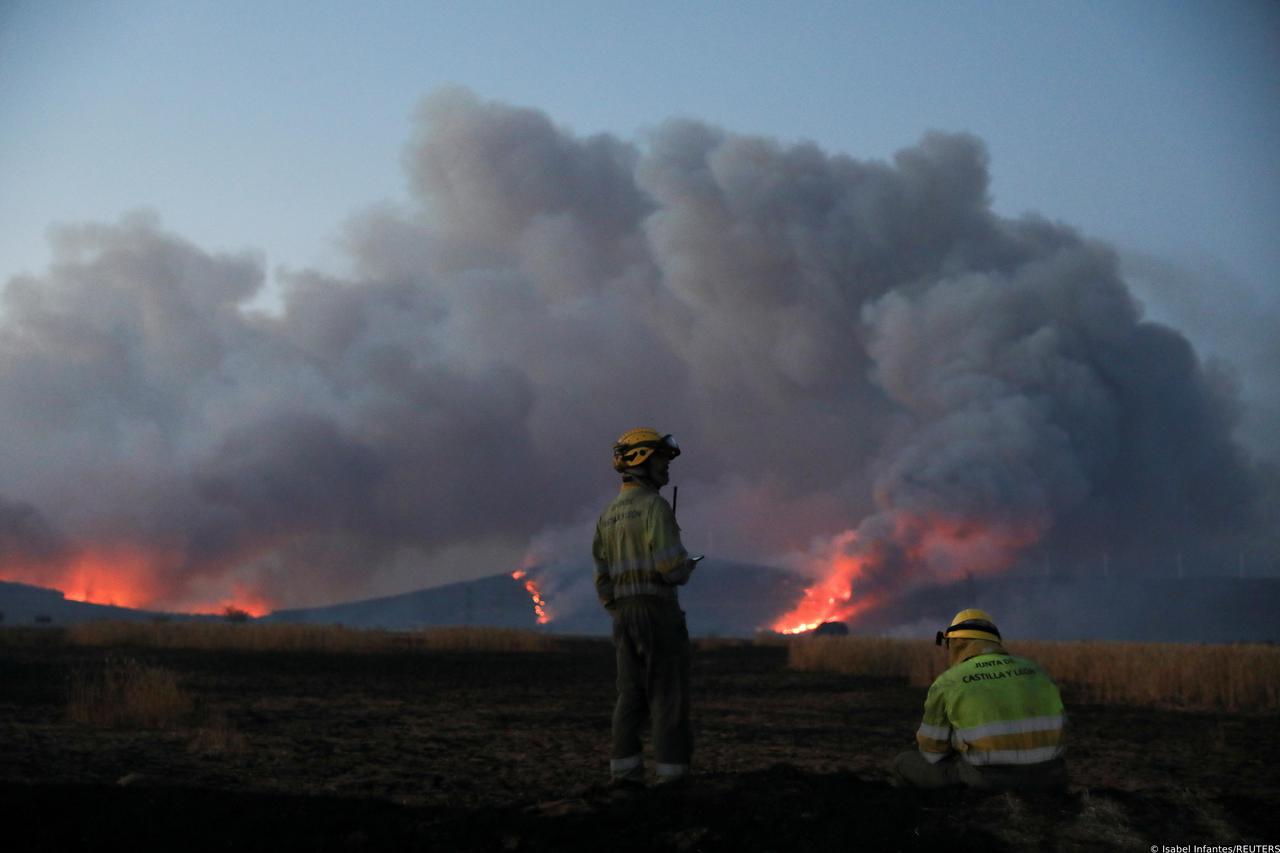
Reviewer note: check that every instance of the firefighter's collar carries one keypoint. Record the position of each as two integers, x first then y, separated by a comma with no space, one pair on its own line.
986,650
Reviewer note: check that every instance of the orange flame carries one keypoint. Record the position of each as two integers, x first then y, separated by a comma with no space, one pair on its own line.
123,574
831,598
117,575
937,548
531,587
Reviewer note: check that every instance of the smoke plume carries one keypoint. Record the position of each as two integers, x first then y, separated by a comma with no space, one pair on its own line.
851,352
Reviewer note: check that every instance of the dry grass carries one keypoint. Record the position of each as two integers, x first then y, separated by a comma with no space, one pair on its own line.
24,637
772,638
711,644
127,694
1233,677
1102,824
315,638
218,736
480,640
1230,677
878,657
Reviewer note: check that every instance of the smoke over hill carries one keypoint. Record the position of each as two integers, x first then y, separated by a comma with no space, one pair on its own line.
873,375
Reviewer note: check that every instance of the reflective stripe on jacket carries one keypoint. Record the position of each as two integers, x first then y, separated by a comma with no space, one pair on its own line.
993,708
637,549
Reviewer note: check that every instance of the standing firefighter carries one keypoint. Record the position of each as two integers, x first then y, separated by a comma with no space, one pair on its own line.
639,563
991,720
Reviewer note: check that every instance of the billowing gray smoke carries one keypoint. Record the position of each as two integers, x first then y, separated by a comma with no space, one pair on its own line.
835,342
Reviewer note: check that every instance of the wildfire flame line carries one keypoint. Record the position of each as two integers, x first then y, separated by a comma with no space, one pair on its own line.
535,594
124,574
933,547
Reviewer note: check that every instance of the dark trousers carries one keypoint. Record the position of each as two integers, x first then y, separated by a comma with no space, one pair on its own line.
652,646
912,768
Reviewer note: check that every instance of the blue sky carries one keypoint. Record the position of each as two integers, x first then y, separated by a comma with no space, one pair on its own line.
264,126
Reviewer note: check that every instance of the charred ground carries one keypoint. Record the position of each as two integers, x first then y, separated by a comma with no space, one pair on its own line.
507,751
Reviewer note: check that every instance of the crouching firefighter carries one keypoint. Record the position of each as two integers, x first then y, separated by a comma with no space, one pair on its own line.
639,562
992,720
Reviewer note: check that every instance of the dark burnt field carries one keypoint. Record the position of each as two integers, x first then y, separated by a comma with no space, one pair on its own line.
508,751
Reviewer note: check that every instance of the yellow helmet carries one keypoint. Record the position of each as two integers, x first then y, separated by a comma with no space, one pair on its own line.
634,447
970,624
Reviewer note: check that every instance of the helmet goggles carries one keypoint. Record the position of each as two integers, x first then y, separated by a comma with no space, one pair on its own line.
666,444
944,637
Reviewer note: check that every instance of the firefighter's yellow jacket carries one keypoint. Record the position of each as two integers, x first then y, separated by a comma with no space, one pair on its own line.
637,549
993,709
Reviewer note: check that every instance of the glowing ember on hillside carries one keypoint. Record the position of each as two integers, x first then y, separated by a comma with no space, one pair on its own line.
831,598
539,603
119,575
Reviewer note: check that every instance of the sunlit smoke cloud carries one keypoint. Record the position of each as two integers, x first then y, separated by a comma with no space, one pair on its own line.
850,352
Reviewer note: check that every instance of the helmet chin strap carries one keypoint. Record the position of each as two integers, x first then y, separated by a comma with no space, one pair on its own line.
641,474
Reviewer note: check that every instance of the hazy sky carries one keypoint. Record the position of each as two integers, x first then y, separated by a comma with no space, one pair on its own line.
476,217
264,126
